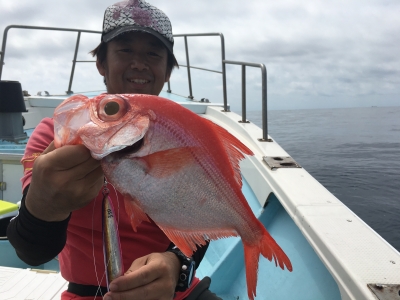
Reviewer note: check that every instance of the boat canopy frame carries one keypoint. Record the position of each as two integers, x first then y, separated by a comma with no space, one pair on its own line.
188,66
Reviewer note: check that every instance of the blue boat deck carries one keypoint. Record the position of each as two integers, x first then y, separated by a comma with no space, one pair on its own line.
224,261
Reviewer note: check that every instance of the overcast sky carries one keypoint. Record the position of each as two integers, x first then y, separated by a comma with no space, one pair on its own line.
318,54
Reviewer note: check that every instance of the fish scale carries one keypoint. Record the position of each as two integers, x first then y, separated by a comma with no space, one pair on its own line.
151,190
173,166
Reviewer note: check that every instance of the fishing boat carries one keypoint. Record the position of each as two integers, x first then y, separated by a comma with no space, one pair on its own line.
335,255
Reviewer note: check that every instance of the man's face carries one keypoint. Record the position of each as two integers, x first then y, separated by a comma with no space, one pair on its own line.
136,63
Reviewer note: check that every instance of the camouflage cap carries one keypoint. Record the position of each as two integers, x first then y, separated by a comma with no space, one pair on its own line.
137,15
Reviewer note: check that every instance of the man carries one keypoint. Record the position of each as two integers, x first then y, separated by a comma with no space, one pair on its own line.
60,212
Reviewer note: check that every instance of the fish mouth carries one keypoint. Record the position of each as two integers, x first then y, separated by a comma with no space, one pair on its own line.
130,149
120,151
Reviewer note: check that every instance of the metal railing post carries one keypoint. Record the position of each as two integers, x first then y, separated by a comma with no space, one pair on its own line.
188,69
263,96
169,87
244,95
69,92
264,104
224,85
3,49
224,73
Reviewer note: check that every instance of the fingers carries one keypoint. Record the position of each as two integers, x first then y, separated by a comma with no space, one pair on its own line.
69,156
151,277
49,148
90,185
152,291
70,170
70,162
95,179
63,180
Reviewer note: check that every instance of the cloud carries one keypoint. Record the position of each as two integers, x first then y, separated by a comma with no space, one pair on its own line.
314,51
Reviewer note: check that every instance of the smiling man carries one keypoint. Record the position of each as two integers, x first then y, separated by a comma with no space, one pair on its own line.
136,62
136,51
61,208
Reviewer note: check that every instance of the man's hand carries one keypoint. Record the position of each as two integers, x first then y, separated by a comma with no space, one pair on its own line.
63,180
152,277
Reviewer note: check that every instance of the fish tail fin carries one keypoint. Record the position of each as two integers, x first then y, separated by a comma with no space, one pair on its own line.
251,257
266,246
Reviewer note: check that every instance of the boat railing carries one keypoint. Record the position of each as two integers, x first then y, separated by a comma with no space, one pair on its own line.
74,61
224,85
188,66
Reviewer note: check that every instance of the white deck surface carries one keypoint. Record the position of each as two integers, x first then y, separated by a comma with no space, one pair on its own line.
24,284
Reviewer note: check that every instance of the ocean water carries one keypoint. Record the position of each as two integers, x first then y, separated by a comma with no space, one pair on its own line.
353,152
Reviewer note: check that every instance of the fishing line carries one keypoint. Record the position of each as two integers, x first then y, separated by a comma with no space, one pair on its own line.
118,219
94,257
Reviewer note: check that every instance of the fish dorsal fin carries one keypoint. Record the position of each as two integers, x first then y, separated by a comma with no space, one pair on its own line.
167,162
234,148
134,212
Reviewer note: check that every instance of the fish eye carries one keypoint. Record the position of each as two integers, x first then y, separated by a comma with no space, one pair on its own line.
111,108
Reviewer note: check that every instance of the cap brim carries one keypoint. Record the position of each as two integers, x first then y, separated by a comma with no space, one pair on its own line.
114,33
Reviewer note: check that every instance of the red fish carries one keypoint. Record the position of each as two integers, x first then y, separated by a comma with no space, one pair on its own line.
172,165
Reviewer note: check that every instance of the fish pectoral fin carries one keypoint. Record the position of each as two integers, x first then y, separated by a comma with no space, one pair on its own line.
135,213
165,163
187,241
